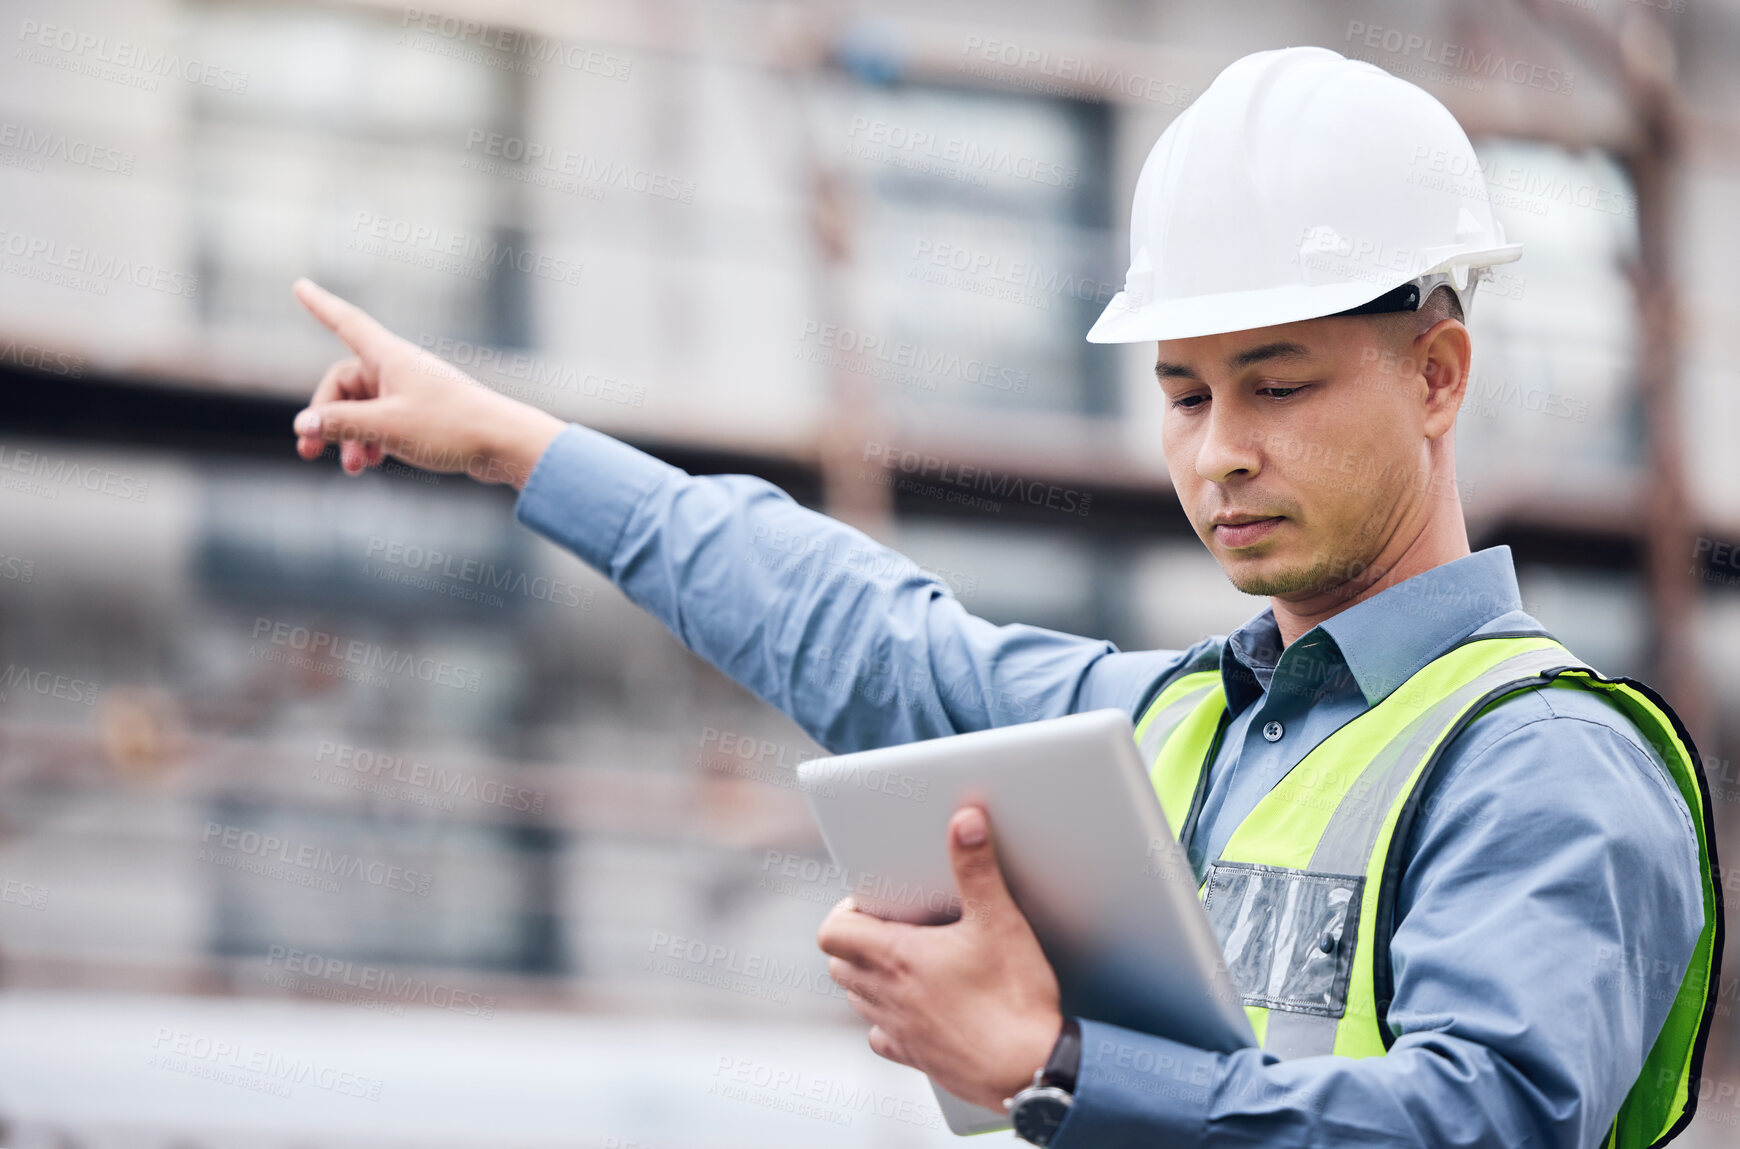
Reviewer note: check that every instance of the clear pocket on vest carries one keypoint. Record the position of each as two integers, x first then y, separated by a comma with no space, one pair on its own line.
1288,934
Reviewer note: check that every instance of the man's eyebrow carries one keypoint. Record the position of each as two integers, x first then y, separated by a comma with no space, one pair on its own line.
1282,349
1278,350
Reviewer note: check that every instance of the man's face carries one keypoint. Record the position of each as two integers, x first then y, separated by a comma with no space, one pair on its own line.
1299,450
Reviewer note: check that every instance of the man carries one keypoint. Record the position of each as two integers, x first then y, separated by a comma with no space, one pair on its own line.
1463,884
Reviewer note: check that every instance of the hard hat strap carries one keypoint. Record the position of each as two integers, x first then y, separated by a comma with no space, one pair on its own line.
1404,298
1411,295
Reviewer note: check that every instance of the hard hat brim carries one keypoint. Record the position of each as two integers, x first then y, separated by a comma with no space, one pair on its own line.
1233,311
1121,322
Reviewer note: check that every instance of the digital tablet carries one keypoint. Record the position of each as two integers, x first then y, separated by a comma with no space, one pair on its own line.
1085,849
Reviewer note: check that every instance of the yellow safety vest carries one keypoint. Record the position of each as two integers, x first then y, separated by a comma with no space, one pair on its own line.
1303,895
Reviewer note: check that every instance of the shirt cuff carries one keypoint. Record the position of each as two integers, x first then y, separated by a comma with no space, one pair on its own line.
1137,1090
585,488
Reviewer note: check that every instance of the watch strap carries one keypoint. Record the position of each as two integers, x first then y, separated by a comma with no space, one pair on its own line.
1064,1064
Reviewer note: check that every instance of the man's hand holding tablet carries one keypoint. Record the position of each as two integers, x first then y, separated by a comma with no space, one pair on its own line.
974,1003
1086,907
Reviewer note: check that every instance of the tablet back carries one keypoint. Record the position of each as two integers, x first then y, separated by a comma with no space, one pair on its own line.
1084,847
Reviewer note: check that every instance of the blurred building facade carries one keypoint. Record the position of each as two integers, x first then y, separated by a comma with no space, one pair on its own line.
851,249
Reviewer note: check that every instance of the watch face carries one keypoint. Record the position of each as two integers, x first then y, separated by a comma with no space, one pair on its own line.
1037,1113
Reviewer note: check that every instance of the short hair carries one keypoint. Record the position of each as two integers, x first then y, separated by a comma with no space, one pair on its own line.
1441,304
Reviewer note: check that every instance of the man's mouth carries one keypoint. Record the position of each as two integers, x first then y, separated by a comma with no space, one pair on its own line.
1235,531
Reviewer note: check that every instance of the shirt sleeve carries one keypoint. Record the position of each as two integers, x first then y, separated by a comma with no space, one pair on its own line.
852,639
1549,907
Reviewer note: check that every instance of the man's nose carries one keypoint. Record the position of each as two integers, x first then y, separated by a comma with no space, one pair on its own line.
1229,447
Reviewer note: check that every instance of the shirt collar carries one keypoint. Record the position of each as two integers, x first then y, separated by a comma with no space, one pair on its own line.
1380,642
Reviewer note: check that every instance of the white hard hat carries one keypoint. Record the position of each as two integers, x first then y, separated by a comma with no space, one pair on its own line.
1301,184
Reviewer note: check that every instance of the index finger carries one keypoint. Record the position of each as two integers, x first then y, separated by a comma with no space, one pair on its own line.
860,938
345,319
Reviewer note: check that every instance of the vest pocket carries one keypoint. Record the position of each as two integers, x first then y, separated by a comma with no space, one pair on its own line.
1288,934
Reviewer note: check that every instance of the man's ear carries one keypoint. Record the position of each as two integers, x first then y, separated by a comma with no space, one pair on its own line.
1444,352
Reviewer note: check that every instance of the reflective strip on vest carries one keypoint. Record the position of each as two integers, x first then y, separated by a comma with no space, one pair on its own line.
1303,887
1196,695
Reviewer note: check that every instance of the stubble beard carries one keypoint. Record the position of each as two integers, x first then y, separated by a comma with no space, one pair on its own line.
1329,572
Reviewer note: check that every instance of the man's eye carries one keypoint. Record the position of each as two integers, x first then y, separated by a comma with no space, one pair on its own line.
1189,402
1278,392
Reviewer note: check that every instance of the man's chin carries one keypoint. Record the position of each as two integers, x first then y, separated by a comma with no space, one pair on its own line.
1277,576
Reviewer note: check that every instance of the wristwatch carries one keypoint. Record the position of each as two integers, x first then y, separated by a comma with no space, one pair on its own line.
1039,1109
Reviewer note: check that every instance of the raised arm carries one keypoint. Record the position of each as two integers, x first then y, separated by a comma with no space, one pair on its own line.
850,638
